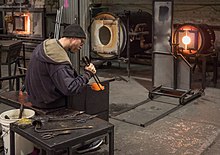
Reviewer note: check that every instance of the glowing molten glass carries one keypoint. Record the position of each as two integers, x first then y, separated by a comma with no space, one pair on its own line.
186,40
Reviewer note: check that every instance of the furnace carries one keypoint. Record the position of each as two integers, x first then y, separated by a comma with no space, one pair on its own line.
29,21
112,32
194,38
24,23
172,73
196,43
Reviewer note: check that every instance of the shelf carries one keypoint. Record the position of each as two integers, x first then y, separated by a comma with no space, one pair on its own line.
23,7
12,7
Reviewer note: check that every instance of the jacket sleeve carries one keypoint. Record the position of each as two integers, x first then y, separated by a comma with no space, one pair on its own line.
68,82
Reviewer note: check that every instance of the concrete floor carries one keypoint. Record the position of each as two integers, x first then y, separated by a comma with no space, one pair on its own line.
192,129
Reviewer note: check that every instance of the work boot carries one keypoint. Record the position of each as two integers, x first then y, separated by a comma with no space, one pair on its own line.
90,147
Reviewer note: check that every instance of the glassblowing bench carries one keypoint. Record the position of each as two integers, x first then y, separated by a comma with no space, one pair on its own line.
92,102
68,142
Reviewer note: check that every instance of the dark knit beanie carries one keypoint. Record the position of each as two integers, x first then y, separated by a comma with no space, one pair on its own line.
74,31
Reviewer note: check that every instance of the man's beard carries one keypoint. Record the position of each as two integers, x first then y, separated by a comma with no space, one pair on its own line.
70,51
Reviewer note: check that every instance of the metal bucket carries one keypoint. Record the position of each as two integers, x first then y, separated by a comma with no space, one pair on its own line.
22,145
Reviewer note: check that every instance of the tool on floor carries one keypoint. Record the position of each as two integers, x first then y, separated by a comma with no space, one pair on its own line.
96,78
49,135
119,78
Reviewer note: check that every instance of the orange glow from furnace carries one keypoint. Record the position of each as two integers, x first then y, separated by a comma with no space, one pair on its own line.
27,26
28,23
186,40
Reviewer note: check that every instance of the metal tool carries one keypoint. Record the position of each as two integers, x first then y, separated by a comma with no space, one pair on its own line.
76,119
21,111
119,78
96,78
22,104
37,129
84,120
74,115
66,117
49,135
58,22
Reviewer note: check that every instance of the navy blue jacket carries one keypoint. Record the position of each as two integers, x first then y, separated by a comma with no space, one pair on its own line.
50,76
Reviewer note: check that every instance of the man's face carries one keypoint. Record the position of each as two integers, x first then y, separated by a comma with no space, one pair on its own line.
76,44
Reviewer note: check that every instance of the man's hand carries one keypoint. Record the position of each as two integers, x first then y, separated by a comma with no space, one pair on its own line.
91,68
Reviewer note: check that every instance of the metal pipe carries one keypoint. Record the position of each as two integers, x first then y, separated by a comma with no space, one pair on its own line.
95,77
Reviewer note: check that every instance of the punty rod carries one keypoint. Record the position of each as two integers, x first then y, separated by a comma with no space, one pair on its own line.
96,78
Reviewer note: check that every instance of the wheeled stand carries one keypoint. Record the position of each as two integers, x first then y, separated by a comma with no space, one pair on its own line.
171,71
184,95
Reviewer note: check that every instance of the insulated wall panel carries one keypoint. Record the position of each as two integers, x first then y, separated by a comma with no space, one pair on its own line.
162,39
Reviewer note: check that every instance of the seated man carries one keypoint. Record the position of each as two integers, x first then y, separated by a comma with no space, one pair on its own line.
50,77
